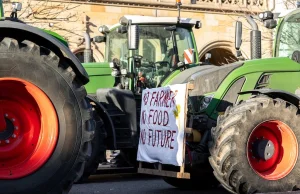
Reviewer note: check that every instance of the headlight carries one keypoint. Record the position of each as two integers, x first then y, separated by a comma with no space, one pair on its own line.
205,101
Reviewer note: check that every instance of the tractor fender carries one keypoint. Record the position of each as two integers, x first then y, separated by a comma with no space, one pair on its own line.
22,31
287,96
109,127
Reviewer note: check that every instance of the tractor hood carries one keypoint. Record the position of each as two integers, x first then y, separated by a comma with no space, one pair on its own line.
206,78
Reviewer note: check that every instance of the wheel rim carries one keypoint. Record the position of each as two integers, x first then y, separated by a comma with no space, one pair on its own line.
272,150
28,128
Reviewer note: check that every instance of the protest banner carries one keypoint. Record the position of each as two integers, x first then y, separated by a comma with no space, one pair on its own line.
162,125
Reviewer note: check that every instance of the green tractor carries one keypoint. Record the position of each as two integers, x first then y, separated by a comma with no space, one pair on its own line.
243,117
248,116
116,86
46,123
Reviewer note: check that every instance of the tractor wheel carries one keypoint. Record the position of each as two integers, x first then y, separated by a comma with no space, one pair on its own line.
98,153
45,121
255,146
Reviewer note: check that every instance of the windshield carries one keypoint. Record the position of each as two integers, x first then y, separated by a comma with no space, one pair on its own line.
289,39
156,48
155,44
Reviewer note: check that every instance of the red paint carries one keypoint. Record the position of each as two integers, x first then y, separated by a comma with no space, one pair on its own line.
172,140
163,139
158,138
162,94
2,119
162,98
143,137
156,117
150,115
146,98
286,150
152,97
168,138
150,135
144,115
37,132
173,98
166,116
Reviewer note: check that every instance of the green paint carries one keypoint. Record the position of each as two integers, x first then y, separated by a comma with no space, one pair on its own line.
100,76
169,79
1,9
57,36
195,49
284,77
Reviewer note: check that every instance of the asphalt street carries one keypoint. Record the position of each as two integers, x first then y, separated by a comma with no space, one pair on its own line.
132,184
137,184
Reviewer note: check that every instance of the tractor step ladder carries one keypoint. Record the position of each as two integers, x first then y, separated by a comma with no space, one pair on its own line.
167,173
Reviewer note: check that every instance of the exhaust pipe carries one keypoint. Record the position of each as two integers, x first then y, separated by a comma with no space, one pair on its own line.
87,51
255,39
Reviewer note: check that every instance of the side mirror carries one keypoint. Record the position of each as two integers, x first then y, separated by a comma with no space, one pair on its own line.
99,39
198,25
133,37
238,35
16,6
122,29
266,15
270,24
103,29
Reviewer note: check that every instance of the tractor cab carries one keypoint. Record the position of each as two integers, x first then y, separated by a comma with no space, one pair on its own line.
145,52
287,43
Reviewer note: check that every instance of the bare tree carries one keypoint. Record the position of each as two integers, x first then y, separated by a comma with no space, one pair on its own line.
52,16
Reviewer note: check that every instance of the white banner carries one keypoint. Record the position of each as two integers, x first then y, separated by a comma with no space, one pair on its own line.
162,125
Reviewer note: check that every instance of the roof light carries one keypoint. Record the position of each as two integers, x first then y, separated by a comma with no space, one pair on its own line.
178,2
266,15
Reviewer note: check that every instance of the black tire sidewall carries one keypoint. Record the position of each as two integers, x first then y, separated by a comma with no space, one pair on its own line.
98,150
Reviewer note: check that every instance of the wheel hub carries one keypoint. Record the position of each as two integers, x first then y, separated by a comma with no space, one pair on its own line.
263,149
272,149
8,132
28,128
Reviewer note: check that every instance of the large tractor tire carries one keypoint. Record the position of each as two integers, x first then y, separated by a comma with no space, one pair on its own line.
255,147
98,153
45,121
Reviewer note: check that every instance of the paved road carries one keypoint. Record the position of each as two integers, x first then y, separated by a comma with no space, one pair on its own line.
132,184
137,184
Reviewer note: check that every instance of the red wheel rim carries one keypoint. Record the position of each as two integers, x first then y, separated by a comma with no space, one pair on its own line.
284,156
30,127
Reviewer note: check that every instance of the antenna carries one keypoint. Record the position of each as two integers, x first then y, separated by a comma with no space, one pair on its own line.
178,3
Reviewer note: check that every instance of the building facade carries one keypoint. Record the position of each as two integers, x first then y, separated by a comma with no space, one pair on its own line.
218,17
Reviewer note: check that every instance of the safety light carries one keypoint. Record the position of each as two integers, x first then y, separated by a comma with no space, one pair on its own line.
266,15
178,2
103,29
17,6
